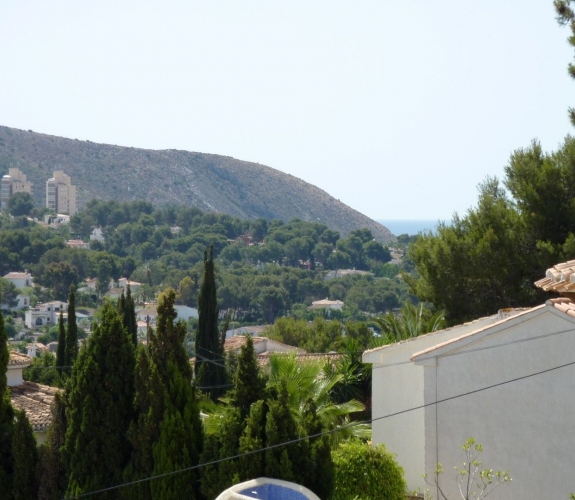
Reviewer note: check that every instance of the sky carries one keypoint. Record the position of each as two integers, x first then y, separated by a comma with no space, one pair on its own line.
399,109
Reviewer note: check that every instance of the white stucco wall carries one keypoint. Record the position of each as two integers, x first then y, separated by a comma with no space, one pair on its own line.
14,376
525,426
398,385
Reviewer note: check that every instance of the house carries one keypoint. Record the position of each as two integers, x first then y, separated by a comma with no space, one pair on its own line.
507,380
115,293
34,399
44,314
341,273
97,234
261,345
56,219
148,313
334,305
185,313
78,244
125,282
20,280
254,331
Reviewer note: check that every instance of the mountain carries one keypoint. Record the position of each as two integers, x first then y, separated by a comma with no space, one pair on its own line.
209,182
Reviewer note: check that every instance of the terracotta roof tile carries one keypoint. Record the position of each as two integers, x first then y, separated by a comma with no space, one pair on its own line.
237,341
18,359
35,400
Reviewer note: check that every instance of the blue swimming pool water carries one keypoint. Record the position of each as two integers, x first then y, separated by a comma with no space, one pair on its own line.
272,492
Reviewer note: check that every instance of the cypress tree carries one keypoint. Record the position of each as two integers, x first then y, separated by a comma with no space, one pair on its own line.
249,383
281,427
99,397
61,351
71,352
6,416
25,453
52,473
171,433
254,438
130,322
149,402
210,362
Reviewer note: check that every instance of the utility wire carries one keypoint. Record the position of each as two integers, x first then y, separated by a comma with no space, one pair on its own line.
324,433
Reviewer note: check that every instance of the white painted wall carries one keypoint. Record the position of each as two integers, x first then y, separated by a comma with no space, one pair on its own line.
14,376
525,427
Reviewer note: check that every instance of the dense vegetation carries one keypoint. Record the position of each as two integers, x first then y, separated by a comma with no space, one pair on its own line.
264,269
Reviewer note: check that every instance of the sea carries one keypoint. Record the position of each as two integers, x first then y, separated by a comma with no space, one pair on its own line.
410,226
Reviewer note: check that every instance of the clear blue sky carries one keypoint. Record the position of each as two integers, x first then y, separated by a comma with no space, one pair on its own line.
397,108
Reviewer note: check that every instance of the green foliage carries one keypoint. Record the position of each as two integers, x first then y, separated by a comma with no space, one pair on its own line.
6,416
249,382
25,453
9,293
42,370
412,321
61,350
371,470
210,367
53,478
472,479
20,204
99,409
566,17
71,347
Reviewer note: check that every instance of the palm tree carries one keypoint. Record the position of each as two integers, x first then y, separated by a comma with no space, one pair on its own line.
310,381
412,321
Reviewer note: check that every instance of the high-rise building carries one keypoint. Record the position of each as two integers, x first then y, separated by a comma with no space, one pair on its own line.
61,194
14,182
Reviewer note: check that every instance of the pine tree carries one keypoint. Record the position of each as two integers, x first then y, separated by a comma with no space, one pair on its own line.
210,362
61,351
71,350
100,397
6,416
25,453
52,473
249,383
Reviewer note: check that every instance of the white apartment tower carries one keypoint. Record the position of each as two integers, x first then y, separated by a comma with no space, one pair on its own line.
61,194
14,182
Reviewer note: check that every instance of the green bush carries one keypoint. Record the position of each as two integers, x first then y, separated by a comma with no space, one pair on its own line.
368,471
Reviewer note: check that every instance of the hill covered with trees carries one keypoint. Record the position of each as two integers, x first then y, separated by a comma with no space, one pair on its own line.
170,177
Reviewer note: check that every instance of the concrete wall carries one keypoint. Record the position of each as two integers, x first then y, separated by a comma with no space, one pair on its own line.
14,376
526,426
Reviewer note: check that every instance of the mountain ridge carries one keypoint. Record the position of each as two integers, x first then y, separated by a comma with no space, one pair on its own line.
171,176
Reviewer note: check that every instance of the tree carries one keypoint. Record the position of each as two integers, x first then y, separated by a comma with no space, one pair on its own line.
167,431
25,453
71,347
249,383
472,479
61,351
186,292
60,276
99,409
370,470
9,293
6,416
412,321
52,472
127,310
20,204
566,16
210,367
479,264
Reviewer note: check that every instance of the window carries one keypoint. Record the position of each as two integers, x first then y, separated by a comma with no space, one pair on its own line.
38,321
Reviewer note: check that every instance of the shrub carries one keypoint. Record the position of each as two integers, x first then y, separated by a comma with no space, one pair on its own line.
368,471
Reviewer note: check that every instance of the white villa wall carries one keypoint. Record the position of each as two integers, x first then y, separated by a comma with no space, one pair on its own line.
14,376
525,426
397,385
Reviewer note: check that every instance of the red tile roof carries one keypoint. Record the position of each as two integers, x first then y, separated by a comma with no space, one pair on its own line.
35,400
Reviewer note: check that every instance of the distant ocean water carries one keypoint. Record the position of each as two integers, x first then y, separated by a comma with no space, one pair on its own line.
409,226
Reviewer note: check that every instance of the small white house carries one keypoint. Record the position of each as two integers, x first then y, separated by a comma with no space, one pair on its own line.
506,380
20,280
97,234
44,314
334,305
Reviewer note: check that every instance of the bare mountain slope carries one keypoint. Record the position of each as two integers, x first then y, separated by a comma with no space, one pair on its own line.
209,182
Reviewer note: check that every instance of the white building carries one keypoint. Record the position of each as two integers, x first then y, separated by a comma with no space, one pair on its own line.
20,280
44,314
97,234
334,305
483,380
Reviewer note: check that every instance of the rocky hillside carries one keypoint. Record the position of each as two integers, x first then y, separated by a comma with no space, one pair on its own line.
209,182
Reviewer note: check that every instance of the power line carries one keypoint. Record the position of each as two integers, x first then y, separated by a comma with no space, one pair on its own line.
324,433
